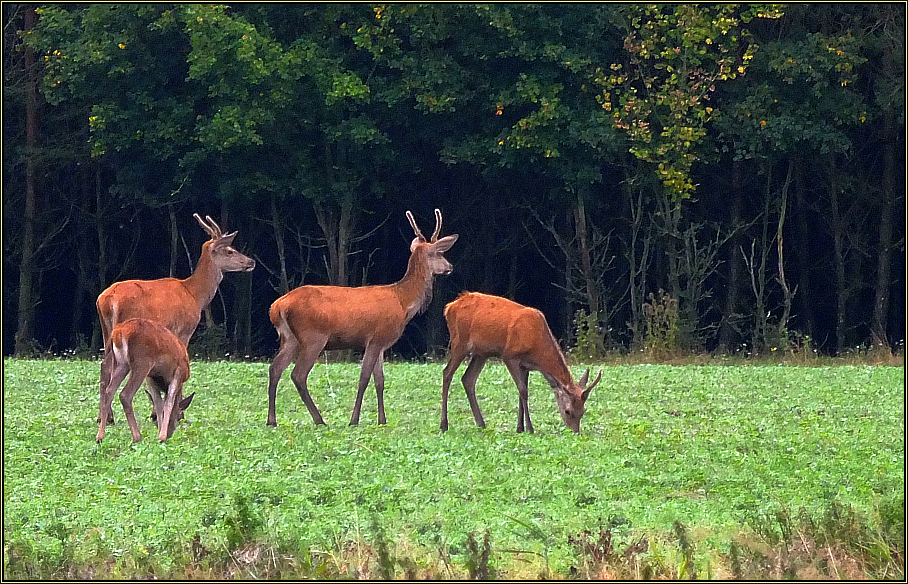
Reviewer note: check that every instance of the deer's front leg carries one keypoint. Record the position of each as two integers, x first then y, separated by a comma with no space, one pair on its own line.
378,373
521,377
154,392
369,358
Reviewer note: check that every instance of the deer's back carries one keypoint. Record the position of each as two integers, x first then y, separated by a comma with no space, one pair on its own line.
349,316
144,340
494,326
165,301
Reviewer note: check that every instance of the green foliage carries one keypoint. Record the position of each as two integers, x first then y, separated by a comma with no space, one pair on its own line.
589,344
804,98
477,563
661,335
209,343
706,446
385,561
660,96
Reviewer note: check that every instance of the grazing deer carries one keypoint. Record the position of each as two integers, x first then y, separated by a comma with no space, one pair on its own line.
312,318
145,350
489,326
176,304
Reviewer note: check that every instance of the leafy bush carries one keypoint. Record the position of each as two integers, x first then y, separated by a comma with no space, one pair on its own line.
660,319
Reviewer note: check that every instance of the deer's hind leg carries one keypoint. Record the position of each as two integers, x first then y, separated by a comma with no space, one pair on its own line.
455,358
308,355
477,362
136,377
285,355
107,364
116,373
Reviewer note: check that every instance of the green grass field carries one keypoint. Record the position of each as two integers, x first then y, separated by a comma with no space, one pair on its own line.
686,470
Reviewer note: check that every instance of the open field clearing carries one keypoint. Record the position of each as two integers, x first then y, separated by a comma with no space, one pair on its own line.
678,471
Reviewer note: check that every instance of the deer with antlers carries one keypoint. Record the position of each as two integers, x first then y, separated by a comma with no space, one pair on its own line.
145,350
175,304
310,319
487,326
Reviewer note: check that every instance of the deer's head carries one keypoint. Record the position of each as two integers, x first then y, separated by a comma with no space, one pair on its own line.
223,257
571,400
176,414
434,247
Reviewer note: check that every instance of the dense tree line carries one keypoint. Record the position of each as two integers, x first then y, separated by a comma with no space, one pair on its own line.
685,176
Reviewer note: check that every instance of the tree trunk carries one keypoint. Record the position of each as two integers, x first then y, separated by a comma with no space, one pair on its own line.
25,330
567,304
787,294
278,224
638,264
838,244
242,327
881,293
96,334
583,242
802,250
727,335
174,240
337,227
82,294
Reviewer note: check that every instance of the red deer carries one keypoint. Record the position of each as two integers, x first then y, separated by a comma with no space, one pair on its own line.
176,304
312,318
489,326
145,350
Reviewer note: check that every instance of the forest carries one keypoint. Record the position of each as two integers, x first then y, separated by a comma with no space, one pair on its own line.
709,177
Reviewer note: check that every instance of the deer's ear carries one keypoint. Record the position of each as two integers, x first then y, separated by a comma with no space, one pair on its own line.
225,240
586,393
445,243
184,403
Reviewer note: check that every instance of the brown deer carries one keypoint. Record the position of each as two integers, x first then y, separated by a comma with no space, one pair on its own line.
312,318
176,304
489,326
145,350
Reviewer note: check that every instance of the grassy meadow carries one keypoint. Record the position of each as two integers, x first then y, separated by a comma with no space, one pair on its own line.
680,471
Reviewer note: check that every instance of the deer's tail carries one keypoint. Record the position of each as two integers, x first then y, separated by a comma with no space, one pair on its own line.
279,319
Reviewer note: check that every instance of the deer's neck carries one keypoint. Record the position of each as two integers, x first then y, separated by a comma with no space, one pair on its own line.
203,283
553,365
415,289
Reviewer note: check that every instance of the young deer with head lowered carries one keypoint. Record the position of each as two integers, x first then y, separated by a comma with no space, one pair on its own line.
175,304
489,326
145,350
312,318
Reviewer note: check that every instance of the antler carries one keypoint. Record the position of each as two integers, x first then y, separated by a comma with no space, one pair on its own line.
212,228
437,226
419,234
416,230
